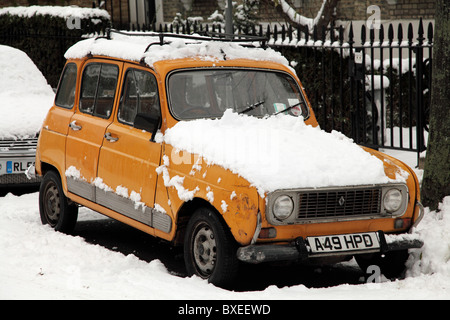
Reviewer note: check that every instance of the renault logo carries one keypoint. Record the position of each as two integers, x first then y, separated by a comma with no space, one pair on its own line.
341,201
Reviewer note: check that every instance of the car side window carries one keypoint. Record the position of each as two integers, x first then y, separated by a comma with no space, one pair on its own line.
65,96
98,88
139,99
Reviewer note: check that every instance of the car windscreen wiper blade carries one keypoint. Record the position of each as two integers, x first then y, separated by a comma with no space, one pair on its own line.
251,107
289,108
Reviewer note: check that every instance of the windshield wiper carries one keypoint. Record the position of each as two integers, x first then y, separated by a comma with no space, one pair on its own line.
290,107
251,107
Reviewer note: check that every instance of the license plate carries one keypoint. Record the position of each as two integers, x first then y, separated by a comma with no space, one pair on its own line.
15,166
344,242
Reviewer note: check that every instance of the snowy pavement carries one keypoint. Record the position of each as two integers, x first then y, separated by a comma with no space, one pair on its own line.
39,263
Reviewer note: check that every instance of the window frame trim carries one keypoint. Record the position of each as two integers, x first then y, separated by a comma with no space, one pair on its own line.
93,113
60,82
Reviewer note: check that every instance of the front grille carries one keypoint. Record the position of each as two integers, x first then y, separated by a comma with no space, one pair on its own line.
21,145
339,203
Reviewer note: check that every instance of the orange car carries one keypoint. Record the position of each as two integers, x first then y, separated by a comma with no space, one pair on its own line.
214,146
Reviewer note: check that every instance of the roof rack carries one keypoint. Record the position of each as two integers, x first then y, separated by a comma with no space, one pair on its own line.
203,35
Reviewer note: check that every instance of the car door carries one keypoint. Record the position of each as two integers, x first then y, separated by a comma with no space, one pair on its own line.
88,124
129,156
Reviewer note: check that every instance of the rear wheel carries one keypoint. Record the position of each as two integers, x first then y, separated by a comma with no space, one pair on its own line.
210,249
54,206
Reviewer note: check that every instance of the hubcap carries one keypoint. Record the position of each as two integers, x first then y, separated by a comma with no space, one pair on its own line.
51,202
205,250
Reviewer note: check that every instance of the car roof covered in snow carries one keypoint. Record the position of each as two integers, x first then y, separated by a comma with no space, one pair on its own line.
153,47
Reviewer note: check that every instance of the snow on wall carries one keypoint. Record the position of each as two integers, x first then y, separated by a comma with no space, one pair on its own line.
56,11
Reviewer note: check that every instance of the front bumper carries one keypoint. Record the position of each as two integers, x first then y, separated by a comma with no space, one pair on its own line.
299,249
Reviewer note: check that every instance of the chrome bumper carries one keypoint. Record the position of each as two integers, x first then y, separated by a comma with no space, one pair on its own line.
298,250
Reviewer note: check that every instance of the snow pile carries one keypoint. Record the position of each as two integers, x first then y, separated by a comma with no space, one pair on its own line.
133,48
39,263
278,152
25,96
65,12
435,255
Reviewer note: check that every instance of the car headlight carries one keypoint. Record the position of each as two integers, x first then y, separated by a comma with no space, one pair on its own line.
283,207
392,200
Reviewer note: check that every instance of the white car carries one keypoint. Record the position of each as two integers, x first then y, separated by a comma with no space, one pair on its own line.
25,98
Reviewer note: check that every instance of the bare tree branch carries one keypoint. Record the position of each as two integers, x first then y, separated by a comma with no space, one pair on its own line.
322,19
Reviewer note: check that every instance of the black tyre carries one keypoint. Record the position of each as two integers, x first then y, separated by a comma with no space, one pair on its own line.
54,207
391,264
210,249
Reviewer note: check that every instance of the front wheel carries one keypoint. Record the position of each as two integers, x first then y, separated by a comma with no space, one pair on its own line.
54,207
210,249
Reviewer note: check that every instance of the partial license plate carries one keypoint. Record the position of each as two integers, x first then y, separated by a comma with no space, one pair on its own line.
344,242
15,166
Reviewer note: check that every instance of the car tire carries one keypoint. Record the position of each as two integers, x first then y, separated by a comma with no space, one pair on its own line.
54,207
210,249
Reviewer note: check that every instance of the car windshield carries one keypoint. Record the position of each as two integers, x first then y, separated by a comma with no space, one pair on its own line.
195,94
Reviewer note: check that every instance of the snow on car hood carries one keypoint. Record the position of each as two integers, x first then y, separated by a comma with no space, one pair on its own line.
278,152
25,96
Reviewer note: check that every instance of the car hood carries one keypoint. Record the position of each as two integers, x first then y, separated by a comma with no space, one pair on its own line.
280,152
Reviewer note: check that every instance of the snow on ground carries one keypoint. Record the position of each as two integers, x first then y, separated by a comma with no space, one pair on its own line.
39,263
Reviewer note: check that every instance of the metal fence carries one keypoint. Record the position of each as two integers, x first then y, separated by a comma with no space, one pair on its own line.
374,89
380,83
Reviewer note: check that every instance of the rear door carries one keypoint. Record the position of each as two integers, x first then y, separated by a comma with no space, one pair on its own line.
129,156
87,126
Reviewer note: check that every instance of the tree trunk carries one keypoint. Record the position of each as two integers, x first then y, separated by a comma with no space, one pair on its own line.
436,179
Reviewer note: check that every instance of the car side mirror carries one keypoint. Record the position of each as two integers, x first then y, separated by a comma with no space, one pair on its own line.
147,122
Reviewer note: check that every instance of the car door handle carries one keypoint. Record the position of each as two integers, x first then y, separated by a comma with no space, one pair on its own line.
110,138
73,125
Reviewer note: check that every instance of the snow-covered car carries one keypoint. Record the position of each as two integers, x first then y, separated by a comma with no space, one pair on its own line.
25,98
214,146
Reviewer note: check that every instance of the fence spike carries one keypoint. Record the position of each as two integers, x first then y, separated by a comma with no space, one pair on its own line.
363,34
350,34
430,32
341,35
332,35
420,32
391,33
410,33
400,33
381,35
